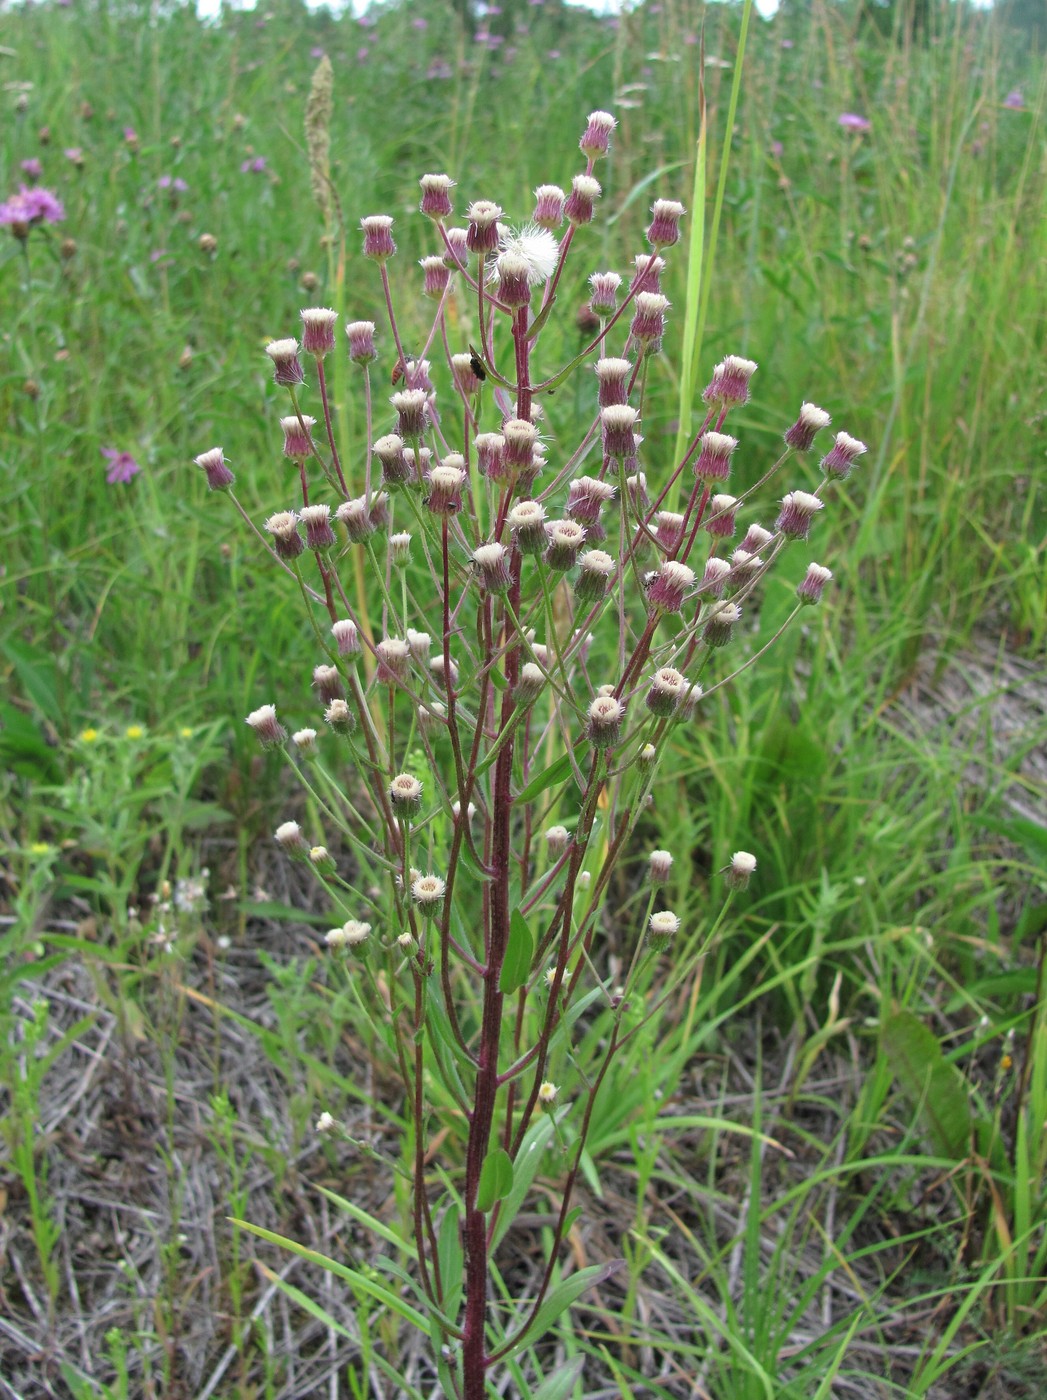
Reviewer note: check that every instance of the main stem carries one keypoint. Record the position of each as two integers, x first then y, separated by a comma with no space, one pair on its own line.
481,1120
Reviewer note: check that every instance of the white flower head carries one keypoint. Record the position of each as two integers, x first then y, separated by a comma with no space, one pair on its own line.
536,246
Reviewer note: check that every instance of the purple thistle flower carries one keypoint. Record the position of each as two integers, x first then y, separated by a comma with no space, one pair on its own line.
30,206
851,121
1014,100
122,466
32,169
255,166
75,154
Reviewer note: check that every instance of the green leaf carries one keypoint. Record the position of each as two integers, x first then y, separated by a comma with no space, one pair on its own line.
558,1385
24,749
518,956
555,773
38,674
561,1298
496,1178
452,1260
528,1160
933,1086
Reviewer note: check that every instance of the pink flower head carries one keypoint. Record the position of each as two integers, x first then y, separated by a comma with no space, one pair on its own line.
851,121
30,206
1014,100
256,166
32,169
122,466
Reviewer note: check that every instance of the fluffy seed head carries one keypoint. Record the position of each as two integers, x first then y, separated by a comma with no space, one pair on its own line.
537,249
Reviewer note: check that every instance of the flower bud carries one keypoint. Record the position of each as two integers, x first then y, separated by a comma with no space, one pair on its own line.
659,867
360,335
418,462
405,795
435,276
527,522
318,323
465,377
305,742
603,297
356,519
842,456
346,637
436,196
664,229
283,526
350,938
810,421
269,731
670,586
647,276
595,571
520,438
400,549
289,838
492,567
514,289
585,191
729,385
287,368
394,658
427,891
604,726
648,323
322,861
328,683
618,422
411,411
445,487
340,717
756,538
547,1093
529,685
557,839
438,669
720,516
549,203
647,755
378,237
457,250
719,629
740,871
813,585
669,530
596,139
565,540
212,463
667,689
744,568
298,439
586,498
636,487
715,577
613,375
714,456
798,510
317,522
482,233
490,455
661,929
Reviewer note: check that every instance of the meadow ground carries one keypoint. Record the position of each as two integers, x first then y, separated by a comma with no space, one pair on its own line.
824,1167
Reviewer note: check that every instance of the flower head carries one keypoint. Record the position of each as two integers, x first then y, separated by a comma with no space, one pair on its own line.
122,466
31,206
851,121
535,247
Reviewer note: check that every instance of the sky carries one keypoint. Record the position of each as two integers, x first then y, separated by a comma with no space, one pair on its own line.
209,8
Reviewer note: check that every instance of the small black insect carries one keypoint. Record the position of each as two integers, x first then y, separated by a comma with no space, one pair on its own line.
476,365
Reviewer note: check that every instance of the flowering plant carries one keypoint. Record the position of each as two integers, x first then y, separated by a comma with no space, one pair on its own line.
542,624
